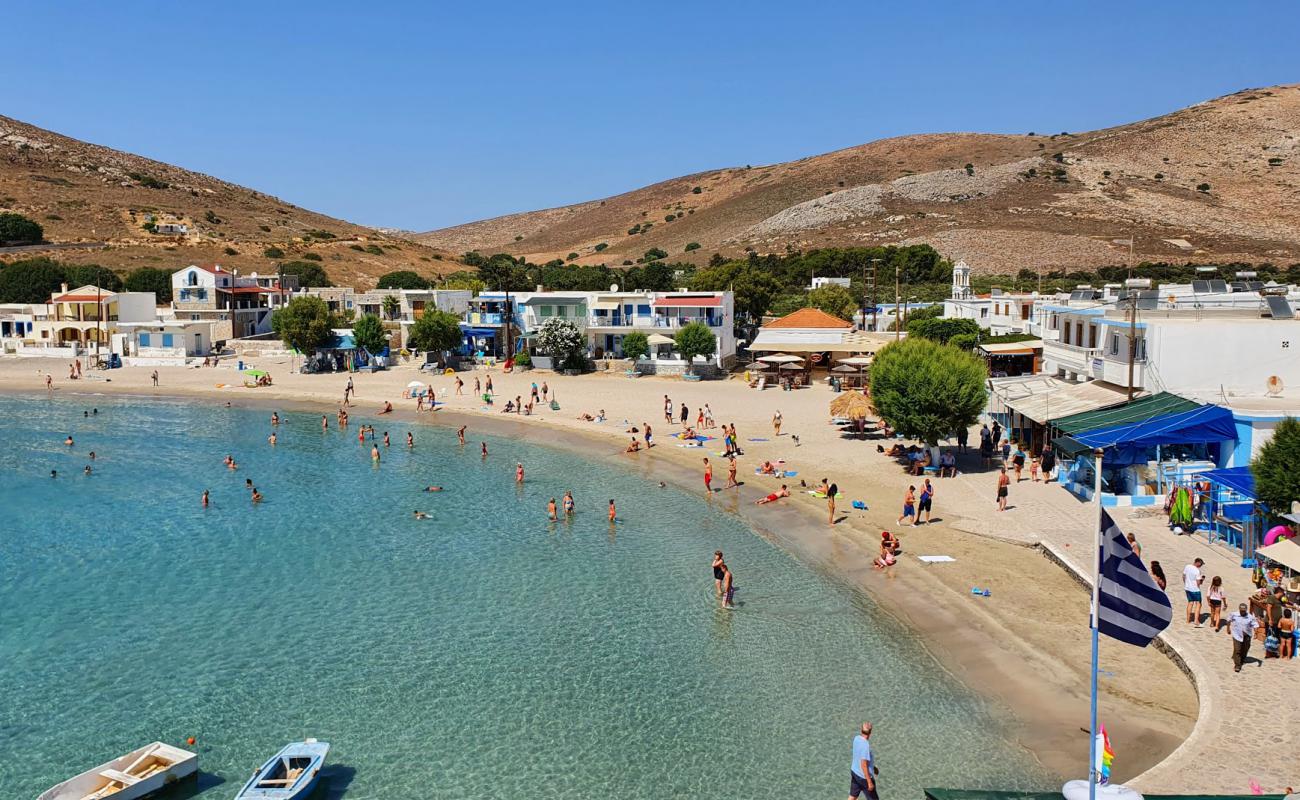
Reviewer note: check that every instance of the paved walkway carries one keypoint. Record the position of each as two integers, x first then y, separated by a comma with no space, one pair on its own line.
1248,722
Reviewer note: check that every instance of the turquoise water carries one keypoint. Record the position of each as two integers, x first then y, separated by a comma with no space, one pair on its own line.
479,653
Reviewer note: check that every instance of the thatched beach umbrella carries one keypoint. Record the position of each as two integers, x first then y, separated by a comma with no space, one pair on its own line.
851,405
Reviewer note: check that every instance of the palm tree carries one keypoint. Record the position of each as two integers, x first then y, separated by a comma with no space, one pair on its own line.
391,306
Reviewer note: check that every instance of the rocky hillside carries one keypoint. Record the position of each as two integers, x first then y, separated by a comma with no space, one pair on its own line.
87,194
1219,181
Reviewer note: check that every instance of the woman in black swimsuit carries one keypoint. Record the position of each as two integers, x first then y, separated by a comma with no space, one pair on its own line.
717,569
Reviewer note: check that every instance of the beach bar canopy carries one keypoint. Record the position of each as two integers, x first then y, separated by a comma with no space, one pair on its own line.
1140,410
1127,444
1284,551
1238,479
1063,401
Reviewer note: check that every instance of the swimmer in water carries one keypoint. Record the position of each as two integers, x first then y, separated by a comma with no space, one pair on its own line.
87,469
433,488
257,496
68,441
483,447
550,511
386,439
410,439
275,418
420,515
460,434
519,473
248,484
92,455
271,438
324,422
205,498
231,465
613,513
568,504
54,473
374,453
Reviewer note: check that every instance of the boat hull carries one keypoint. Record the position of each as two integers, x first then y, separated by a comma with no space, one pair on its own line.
291,774
137,774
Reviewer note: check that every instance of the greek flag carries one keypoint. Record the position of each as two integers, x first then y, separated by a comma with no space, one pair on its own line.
1133,609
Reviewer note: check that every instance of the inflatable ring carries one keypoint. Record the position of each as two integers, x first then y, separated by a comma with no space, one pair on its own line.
1277,533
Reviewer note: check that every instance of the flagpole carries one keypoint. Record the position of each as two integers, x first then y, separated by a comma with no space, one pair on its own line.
1096,592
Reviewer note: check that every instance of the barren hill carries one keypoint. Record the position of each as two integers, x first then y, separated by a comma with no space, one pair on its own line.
85,193
1219,181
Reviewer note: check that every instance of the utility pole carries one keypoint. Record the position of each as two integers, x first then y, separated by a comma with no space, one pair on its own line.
898,328
871,285
99,317
507,317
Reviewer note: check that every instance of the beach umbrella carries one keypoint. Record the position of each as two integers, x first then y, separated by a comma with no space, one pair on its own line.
658,338
781,358
255,373
845,368
853,405
790,366
856,361
415,385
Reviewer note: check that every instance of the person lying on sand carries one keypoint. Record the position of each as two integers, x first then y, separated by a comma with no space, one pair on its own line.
585,417
773,497
768,468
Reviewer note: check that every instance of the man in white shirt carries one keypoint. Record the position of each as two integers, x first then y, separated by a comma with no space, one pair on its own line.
1242,626
1192,579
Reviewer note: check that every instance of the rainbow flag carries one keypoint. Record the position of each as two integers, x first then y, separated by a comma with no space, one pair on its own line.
1105,756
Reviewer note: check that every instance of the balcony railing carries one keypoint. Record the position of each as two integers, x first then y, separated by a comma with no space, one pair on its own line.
655,321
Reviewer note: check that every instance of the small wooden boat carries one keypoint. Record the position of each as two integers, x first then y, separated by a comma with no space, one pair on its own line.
291,773
138,773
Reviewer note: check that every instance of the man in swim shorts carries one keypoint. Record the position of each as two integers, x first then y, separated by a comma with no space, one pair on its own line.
773,497
708,475
862,780
728,587
909,506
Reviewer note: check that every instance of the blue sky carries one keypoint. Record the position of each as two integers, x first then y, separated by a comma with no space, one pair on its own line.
421,115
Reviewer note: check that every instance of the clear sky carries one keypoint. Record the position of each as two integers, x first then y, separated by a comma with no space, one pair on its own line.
425,114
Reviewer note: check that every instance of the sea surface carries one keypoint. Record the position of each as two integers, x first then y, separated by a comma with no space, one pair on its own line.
483,652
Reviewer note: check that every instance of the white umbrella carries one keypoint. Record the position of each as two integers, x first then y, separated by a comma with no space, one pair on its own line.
415,385
780,358
856,361
659,338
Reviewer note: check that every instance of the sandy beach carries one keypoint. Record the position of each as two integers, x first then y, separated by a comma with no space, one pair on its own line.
1025,646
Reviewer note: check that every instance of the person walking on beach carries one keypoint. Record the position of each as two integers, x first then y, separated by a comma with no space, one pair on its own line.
962,433
478,387
831,491
350,390
708,416
909,507
648,442
686,414
668,410
1003,482
545,392
154,376
1019,461
1216,599
487,385
731,473
717,570
708,476
997,433
927,500
1242,625
862,781
776,423
699,419
1192,580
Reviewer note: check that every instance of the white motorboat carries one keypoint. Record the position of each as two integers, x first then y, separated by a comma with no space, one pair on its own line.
140,772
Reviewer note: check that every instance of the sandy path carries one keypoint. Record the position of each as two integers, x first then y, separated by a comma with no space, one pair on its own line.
1025,646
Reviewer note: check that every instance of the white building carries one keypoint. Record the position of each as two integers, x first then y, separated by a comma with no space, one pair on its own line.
237,305
167,342
819,281
85,321
18,325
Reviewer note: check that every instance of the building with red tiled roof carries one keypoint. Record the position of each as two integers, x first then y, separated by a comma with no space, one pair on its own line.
809,319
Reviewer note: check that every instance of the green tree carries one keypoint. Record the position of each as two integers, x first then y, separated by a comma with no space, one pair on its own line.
309,274
368,332
563,341
835,300
391,306
754,287
692,246
312,257
655,253
695,339
92,274
273,252
15,229
635,345
464,280
403,279
31,281
926,390
150,279
304,324
435,331
941,329
1277,468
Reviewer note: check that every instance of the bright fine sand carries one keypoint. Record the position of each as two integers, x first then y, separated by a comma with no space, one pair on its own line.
1025,646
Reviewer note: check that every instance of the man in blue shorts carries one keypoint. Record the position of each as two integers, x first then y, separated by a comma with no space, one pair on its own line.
1192,579
862,780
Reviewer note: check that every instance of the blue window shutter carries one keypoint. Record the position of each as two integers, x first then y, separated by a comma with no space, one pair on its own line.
167,340
144,340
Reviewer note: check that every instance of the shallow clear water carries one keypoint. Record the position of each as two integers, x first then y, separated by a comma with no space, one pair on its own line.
480,653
